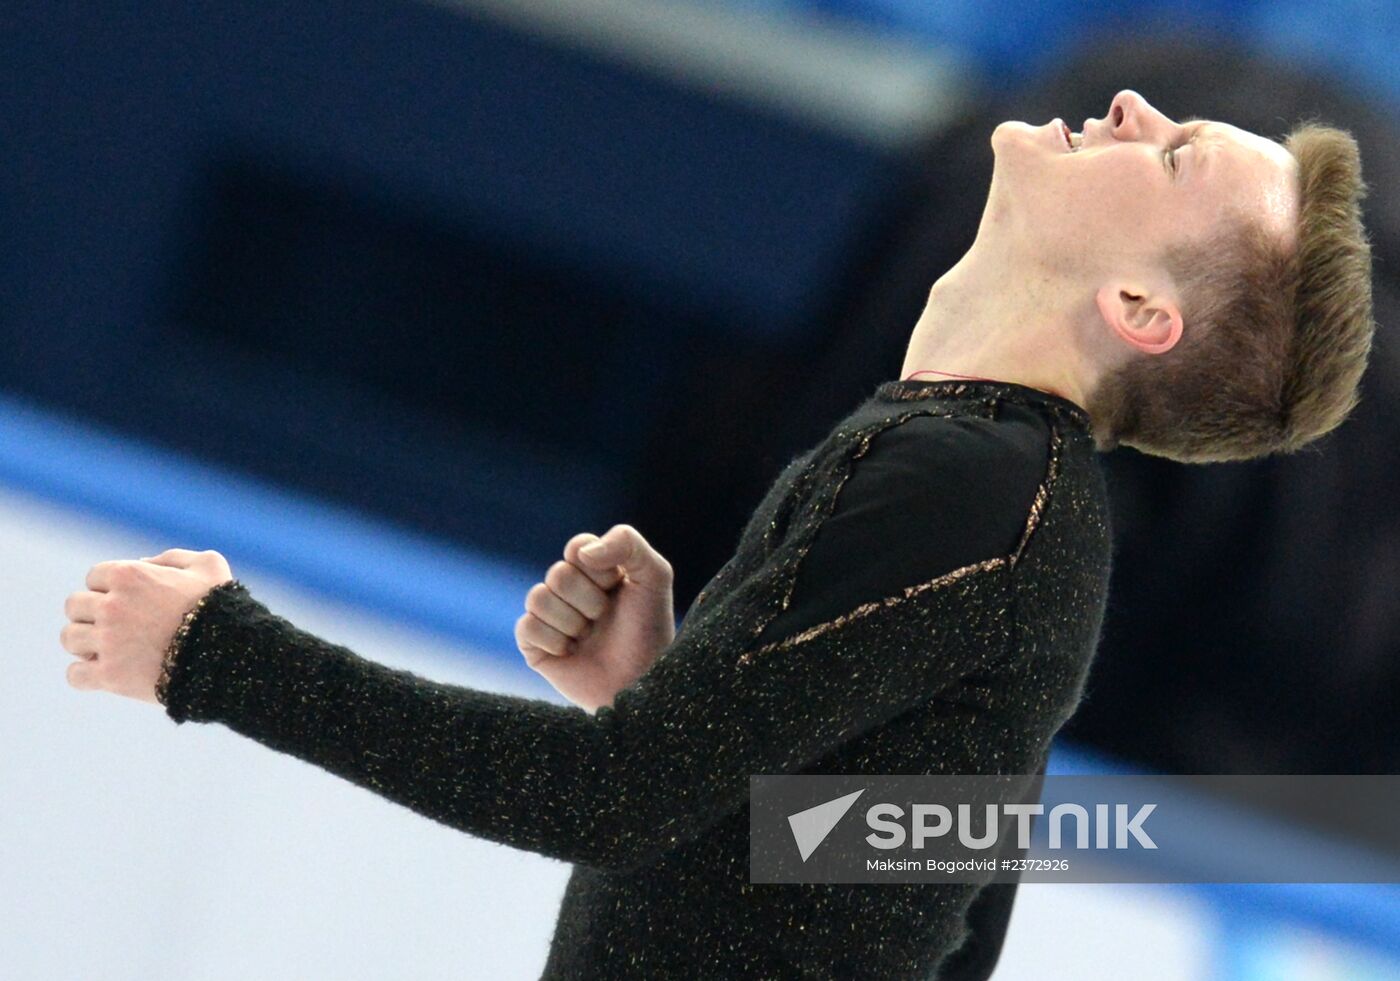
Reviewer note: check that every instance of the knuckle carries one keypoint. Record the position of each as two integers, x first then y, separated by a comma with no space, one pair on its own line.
79,674
531,632
558,575
579,540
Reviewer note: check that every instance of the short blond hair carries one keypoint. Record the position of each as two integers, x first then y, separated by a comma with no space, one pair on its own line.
1276,339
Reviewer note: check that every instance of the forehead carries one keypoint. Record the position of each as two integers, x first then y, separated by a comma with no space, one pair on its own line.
1250,171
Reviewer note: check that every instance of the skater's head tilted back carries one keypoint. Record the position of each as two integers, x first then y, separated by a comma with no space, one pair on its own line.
1203,291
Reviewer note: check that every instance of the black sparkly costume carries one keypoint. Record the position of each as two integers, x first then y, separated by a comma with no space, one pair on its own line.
922,592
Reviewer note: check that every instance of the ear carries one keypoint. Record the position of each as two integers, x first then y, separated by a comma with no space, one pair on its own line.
1150,322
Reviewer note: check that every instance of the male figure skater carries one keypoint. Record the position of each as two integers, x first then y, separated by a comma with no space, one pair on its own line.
921,592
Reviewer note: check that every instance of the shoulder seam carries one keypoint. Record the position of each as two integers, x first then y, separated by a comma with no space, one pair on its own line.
942,580
1042,493
865,609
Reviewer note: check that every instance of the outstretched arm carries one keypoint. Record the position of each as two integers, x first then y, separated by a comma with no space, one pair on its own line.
670,756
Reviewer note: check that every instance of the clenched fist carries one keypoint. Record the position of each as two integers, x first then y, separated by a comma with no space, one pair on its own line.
601,616
125,619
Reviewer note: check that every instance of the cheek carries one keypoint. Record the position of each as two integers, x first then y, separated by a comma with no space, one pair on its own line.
1118,185
1118,197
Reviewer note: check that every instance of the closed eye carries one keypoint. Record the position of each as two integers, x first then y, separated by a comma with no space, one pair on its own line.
1171,153
1170,158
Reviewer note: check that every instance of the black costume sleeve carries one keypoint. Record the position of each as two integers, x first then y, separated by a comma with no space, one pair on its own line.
674,752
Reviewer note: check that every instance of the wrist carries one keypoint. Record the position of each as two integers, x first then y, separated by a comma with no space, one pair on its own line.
169,661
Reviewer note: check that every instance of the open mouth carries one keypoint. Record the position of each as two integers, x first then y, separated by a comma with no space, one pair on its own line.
1069,140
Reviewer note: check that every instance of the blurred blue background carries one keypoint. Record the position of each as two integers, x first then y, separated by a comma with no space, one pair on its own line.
388,300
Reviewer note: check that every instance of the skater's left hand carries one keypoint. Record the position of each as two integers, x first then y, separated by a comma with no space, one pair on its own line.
121,625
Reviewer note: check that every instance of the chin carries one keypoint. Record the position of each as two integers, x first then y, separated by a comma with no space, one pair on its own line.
1018,146
1013,128
1002,133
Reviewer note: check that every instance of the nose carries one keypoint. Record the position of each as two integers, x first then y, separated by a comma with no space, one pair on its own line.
1131,117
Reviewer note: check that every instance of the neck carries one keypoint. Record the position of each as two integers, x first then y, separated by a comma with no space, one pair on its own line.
973,325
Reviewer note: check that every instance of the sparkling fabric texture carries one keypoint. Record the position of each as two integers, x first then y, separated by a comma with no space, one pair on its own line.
972,672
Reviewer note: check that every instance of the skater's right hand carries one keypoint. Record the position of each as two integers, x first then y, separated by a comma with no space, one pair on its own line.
599,619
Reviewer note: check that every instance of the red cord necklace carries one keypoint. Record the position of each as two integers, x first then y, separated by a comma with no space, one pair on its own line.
931,371
924,371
